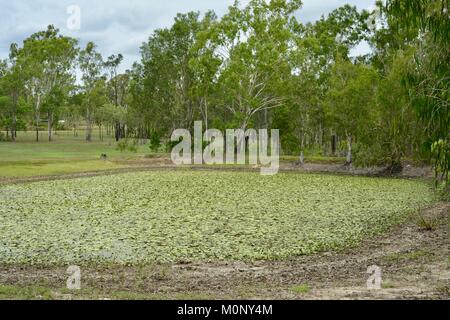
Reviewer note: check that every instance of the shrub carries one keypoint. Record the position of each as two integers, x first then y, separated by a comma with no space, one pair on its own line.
301,289
127,145
155,142
425,223
171,144
4,138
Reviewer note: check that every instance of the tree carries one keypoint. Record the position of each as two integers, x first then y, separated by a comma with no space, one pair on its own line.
314,48
115,84
429,79
254,44
350,100
169,73
91,65
11,88
394,133
205,67
72,111
48,59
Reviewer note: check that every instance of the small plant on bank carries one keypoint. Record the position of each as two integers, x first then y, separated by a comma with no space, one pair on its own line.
301,289
425,223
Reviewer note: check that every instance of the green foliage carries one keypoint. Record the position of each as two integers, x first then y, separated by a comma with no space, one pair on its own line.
441,153
4,138
155,141
169,145
301,289
428,78
350,101
45,64
391,134
127,145
197,216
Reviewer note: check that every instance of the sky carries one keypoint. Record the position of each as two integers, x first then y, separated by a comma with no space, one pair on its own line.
120,26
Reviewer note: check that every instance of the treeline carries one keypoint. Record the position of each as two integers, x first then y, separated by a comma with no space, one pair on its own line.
255,67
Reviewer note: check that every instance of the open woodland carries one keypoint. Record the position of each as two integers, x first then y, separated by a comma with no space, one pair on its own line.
86,177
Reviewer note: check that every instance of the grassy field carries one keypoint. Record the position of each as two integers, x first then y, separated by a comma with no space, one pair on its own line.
196,216
66,154
69,154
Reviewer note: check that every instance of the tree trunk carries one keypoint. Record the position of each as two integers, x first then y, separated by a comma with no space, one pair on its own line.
266,119
117,132
38,116
50,123
89,132
13,128
88,127
333,145
349,149
206,115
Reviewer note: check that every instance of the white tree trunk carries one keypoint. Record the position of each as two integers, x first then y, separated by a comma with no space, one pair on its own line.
349,149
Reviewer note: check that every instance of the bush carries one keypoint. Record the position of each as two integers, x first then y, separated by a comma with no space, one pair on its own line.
127,145
441,154
155,142
425,222
4,138
171,144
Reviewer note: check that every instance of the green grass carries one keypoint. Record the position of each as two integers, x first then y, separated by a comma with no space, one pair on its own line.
43,168
25,293
197,216
409,256
64,147
301,289
387,284
66,154
315,159
69,154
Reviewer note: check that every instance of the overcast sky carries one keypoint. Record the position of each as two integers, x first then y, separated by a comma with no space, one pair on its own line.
120,26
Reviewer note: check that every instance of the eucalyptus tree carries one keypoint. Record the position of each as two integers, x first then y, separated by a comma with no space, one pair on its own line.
92,65
115,84
119,92
350,101
72,112
205,66
315,48
49,60
11,93
254,43
429,78
394,132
